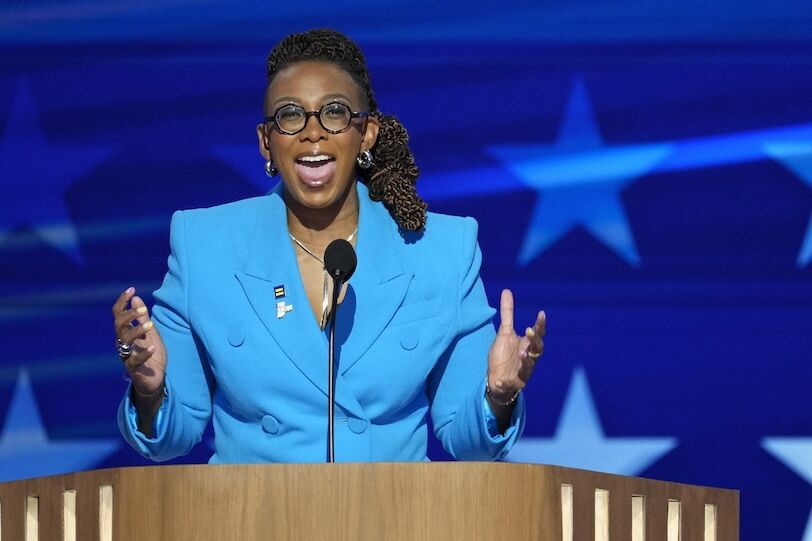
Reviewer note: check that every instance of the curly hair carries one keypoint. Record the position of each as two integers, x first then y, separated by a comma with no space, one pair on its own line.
392,178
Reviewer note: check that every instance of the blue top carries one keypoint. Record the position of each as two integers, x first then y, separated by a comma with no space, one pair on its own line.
414,331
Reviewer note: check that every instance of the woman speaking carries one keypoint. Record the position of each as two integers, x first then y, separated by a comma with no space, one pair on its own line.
238,331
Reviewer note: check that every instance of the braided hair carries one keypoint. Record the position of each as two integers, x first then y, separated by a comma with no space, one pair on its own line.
393,175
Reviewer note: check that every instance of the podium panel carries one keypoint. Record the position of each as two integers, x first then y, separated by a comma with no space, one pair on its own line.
370,501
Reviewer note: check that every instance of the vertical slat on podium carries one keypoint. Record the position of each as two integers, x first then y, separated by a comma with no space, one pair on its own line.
567,517
32,518
709,526
602,505
69,515
638,523
674,520
105,513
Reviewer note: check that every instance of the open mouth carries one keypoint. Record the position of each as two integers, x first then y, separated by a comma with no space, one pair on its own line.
315,170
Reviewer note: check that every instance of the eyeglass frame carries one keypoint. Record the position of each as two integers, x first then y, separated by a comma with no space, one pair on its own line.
353,114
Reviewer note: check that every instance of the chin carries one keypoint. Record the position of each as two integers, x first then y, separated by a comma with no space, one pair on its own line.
321,196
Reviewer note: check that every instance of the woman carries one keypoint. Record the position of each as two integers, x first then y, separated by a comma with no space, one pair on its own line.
237,332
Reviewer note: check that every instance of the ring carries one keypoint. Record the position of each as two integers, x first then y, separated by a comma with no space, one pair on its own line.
124,349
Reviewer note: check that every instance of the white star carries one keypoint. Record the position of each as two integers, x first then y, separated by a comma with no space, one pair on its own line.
35,175
25,450
796,454
579,180
797,157
579,441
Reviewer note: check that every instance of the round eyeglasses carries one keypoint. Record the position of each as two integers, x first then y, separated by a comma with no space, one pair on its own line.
334,117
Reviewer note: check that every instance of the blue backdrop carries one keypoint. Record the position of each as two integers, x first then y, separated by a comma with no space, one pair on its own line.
643,172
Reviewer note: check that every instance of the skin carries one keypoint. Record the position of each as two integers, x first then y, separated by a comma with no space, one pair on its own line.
316,216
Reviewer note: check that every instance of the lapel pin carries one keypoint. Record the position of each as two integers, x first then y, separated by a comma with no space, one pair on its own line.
279,291
282,309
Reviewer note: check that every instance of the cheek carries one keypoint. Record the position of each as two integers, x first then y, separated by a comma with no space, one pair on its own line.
277,146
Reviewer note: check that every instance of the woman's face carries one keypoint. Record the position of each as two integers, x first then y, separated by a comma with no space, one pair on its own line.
317,167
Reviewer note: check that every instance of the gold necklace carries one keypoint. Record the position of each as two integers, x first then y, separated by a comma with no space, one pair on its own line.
324,293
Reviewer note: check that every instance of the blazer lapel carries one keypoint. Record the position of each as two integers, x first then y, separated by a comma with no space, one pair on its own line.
379,284
270,262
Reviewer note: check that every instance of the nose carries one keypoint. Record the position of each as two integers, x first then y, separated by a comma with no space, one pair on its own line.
312,130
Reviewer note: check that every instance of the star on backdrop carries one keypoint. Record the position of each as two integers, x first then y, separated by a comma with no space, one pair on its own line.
36,173
579,441
25,450
796,454
579,180
797,157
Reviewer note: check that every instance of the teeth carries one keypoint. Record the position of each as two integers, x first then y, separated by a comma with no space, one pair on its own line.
314,159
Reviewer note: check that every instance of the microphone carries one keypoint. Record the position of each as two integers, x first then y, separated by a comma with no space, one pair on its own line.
340,263
340,260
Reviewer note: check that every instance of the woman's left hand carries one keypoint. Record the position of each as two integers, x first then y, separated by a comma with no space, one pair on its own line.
511,358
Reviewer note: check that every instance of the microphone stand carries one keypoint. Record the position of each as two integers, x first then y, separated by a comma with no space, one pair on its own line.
339,262
331,375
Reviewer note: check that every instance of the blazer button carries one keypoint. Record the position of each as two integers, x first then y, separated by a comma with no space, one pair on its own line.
357,425
409,339
270,424
236,336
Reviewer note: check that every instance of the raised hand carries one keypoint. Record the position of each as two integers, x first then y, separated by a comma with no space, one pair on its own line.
511,358
147,362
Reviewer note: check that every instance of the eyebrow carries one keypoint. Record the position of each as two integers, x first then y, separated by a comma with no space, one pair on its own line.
324,99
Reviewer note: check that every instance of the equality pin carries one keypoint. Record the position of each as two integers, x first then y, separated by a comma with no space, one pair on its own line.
282,309
279,291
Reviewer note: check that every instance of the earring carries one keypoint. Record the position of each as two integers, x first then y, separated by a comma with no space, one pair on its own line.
270,168
364,159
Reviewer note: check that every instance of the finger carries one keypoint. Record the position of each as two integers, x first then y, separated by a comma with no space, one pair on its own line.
523,345
506,312
138,358
138,314
121,302
535,343
540,326
140,310
137,333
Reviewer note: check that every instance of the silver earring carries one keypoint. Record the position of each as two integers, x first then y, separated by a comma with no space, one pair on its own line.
364,159
270,168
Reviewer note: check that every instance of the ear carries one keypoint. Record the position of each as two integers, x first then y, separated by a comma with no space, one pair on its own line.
373,125
264,142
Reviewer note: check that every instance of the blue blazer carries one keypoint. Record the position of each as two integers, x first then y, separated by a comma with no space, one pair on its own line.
414,331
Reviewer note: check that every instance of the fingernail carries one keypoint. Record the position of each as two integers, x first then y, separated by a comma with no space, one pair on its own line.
147,326
530,331
141,310
130,290
151,349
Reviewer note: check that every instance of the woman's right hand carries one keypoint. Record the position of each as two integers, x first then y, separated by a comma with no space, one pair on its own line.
147,362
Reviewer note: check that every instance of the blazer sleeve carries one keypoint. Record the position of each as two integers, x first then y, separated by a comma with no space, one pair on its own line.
456,385
187,405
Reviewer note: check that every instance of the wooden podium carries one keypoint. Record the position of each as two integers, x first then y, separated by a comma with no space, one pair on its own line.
376,501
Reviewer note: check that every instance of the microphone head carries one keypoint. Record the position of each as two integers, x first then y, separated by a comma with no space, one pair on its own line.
340,260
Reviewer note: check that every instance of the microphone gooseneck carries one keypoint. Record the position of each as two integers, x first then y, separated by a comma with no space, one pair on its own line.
340,263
